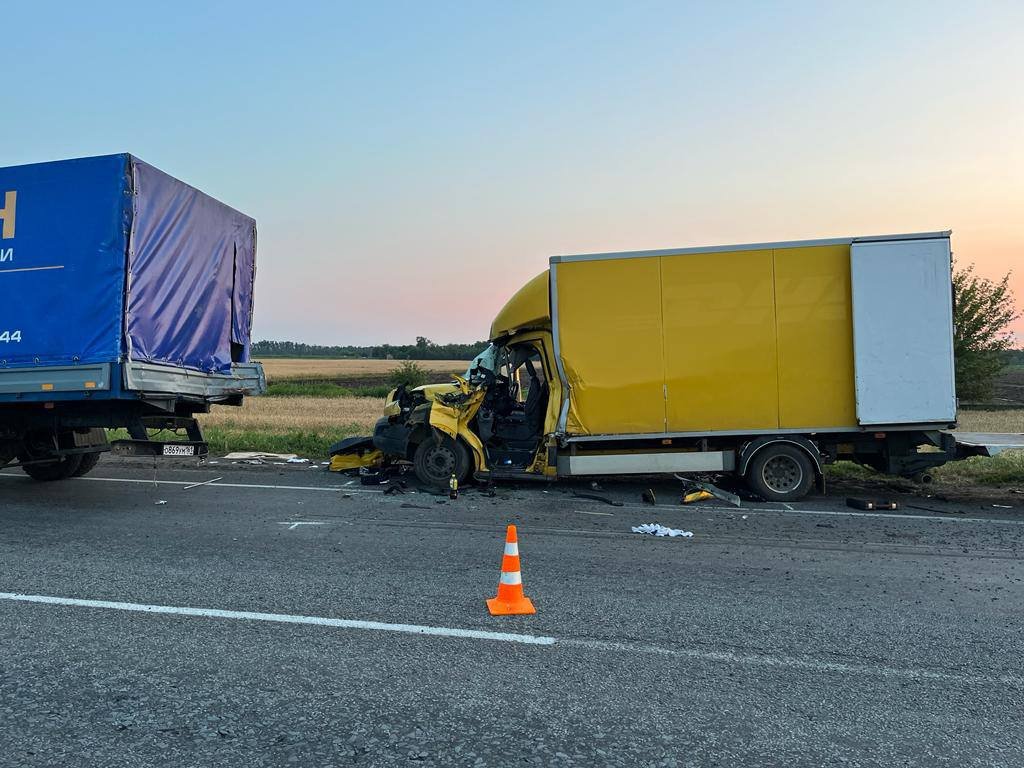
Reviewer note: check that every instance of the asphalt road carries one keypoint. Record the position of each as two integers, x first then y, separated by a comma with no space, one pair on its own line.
808,636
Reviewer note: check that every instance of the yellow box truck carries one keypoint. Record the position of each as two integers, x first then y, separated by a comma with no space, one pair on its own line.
766,360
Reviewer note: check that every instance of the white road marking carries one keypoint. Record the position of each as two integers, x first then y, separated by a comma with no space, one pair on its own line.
282,618
327,489
820,666
293,526
793,662
952,517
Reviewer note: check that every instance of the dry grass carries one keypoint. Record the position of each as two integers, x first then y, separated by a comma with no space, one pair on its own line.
310,414
279,369
992,421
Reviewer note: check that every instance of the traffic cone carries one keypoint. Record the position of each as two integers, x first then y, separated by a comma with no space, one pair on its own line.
510,599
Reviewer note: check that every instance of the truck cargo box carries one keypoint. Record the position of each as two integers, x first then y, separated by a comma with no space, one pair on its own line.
804,336
115,276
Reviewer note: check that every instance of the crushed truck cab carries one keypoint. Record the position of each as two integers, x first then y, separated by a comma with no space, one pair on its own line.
767,360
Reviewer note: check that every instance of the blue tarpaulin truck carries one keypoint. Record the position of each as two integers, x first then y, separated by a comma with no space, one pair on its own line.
125,302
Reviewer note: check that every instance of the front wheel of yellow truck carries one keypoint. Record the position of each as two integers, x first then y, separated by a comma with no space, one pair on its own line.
437,459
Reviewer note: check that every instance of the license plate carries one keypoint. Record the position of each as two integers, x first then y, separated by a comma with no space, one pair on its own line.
179,450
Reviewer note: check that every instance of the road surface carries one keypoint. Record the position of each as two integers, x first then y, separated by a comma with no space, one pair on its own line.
281,617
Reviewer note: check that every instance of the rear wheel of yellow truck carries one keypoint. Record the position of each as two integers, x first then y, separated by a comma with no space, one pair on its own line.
780,473
437,459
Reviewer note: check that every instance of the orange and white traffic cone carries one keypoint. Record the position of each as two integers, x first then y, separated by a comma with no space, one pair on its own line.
510,599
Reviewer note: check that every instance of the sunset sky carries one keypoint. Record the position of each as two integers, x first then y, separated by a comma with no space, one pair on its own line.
410,165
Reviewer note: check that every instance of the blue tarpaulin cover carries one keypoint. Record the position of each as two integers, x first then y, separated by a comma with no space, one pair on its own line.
105,259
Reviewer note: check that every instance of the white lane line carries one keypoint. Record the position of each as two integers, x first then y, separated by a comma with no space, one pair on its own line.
296,524
328,489
793,662
282,618
952,517
722,657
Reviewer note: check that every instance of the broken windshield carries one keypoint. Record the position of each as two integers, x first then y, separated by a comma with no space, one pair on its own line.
488,359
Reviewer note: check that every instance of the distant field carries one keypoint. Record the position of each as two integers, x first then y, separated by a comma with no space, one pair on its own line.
283,369
1009,420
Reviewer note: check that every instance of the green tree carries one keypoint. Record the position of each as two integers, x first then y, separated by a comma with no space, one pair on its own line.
983,312
409,373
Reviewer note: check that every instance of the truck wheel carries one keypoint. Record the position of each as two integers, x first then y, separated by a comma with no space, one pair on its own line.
780,473
435,461
61,469
87,465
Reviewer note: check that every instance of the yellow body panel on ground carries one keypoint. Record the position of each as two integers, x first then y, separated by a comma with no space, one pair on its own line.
610,319
719,336
815,337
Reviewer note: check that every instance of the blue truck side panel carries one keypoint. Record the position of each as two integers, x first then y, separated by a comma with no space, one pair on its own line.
191,268
108,259
62,268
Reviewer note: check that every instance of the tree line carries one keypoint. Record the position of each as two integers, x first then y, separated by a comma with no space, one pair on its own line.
423,349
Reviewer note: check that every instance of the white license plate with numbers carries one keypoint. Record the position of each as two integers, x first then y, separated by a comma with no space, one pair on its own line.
179,450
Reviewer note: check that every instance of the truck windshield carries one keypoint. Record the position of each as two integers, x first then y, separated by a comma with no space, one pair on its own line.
487,359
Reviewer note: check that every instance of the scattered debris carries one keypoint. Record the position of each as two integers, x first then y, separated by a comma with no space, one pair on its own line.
596,497
690,487
393,489
825,525
698,495
871,504
297,460
926,509
658,529
649,497
595,486
205,482
744,517
260,456
1002,506
161,501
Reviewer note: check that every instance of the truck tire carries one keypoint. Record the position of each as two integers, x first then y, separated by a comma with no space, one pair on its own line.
436,460
780,473
87,465
61,469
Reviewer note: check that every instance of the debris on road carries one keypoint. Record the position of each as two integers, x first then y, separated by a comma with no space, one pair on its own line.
696,491
205,482
161,501
871,504
1002,506
260,456
597,497
649,497
658,529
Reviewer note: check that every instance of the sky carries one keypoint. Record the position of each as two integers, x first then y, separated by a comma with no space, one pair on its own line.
410,165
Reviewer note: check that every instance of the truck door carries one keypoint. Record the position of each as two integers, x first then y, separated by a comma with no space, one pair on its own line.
903,331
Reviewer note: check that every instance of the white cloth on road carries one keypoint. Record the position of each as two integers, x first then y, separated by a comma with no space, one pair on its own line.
660,530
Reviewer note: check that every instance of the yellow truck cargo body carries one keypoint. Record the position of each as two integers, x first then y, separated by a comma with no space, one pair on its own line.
740,339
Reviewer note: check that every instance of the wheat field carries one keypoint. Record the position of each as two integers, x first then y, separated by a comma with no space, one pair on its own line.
279,369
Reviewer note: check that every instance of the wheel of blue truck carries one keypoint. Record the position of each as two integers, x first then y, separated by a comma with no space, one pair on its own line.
780,473
87,464
59,469
436,460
